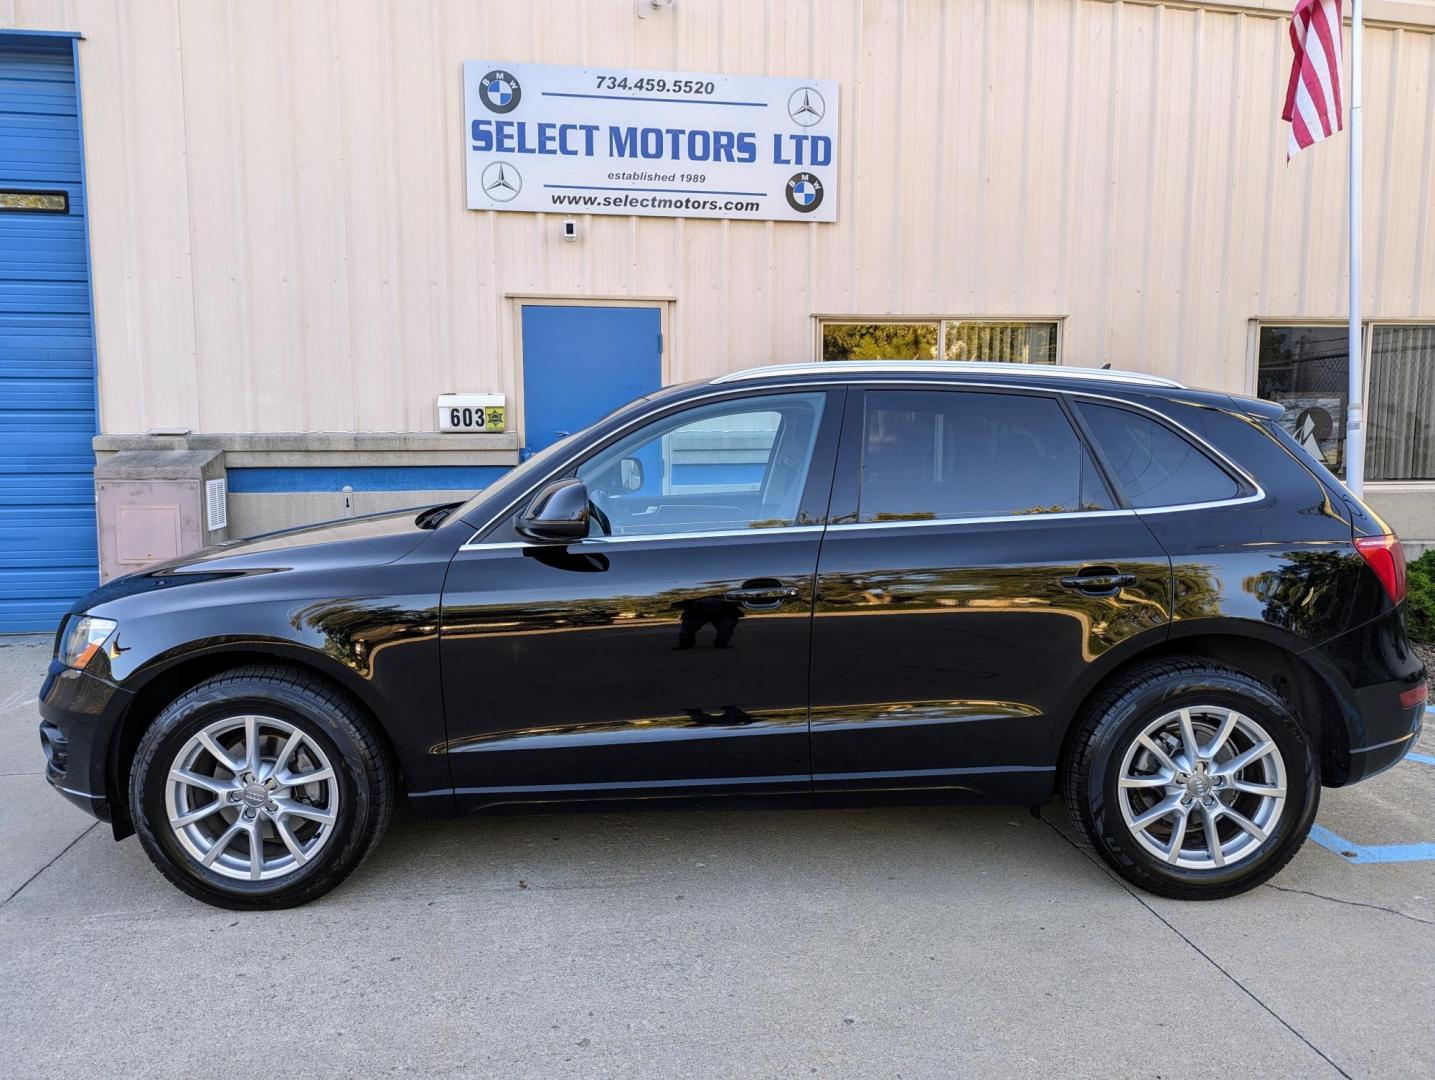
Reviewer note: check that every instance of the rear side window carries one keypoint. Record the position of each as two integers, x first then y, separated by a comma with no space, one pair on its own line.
1151,464
937,454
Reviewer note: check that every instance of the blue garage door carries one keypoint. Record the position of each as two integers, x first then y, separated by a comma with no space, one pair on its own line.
581,363
48,553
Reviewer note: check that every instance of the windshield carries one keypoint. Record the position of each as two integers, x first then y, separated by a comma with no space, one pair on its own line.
512,484
514,481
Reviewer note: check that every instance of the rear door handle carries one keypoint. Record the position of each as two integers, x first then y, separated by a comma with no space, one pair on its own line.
761,597
1098,582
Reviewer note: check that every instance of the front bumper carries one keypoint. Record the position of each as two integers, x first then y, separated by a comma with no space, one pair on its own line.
78,715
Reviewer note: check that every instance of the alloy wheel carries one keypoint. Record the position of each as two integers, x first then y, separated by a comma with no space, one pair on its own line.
1202,787
252,797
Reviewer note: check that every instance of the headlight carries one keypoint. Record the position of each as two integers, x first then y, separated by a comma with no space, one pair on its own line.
83,639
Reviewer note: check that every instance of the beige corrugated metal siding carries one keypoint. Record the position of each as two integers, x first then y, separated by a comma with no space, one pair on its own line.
280,241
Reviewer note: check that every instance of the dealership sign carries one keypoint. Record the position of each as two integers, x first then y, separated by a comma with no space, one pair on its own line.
571,140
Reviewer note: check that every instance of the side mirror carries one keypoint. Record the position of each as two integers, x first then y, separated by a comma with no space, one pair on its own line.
558,512
630,474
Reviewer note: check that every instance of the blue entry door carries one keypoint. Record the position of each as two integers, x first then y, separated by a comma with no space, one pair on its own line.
581,363
48,551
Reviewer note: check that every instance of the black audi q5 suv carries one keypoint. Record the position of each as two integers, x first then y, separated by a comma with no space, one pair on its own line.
823,585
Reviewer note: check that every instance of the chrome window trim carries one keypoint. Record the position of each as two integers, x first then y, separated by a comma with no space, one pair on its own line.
1064,515
604,541
917,367
1181,507
988,519
731,390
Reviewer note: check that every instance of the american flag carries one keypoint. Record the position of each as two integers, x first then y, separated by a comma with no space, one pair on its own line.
1313,101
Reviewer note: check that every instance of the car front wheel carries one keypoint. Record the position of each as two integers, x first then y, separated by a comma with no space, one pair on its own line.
1192,780
260,788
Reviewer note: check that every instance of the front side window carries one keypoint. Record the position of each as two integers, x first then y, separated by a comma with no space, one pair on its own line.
1150,463
733,465
1305,368
995,341
941,454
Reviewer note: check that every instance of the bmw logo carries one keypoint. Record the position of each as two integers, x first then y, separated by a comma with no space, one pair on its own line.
804,193
500,91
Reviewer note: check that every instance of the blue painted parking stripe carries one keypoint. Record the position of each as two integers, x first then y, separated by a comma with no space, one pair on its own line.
1424,758
1371,853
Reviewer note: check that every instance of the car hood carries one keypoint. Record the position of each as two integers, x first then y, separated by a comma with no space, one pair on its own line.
328,540
372,540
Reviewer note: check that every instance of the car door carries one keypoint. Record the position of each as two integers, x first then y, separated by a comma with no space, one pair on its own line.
976,566
667,653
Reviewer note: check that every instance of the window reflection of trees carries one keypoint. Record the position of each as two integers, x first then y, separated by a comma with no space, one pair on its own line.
1302,579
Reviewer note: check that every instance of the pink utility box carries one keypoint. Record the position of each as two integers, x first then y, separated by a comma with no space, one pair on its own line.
154,505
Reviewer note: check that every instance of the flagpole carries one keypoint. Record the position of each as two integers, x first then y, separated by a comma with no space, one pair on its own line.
1355,419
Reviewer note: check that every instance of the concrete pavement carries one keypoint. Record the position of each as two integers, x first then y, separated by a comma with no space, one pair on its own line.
912,942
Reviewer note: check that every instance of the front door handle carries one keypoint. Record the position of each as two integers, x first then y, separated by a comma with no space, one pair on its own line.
1098,581
761,597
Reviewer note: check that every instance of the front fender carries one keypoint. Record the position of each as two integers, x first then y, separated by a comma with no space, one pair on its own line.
380,645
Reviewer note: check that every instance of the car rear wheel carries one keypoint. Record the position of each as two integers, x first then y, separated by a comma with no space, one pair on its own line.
1192,780
260,788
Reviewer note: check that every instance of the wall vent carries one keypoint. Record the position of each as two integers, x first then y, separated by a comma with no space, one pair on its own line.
216,505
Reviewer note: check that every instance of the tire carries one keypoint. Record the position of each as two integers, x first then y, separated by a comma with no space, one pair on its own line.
317,813
1162,854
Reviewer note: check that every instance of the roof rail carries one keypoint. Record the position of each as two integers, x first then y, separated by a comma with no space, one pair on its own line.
955,367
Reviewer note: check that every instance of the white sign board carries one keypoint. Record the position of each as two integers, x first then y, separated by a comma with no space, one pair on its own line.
571,140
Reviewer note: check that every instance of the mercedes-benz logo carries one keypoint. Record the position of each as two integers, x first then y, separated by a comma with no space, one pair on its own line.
804,192
501,182
806,106
500,91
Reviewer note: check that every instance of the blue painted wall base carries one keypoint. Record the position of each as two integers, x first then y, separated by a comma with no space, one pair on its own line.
456,478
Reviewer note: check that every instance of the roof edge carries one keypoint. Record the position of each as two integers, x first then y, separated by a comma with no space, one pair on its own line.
953,367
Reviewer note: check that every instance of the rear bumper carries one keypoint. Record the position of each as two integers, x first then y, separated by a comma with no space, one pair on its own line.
1377,666
78,714
1367,761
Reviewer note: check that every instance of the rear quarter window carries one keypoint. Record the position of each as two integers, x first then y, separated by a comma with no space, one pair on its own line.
1151,464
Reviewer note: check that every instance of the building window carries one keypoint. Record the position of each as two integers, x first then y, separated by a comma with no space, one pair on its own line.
1400,431
880,341
1305,369
1007,341
36,202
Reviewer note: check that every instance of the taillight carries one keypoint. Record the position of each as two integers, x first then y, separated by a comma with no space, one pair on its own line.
1416,695
1387,559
